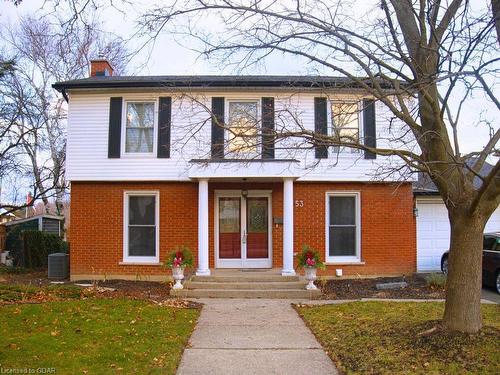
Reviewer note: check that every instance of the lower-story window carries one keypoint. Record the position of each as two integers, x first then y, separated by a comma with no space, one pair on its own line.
141,227
343,229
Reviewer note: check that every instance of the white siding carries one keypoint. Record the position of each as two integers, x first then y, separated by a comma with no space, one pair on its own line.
87,147
433,232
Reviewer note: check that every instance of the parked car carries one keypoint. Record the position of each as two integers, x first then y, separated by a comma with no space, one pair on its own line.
491,260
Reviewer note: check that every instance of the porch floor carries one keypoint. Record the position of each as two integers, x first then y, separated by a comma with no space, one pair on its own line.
245,272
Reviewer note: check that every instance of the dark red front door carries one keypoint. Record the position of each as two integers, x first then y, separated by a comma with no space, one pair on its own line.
257,227
229,228
243,230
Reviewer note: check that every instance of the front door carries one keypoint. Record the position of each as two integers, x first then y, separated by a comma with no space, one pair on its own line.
242,230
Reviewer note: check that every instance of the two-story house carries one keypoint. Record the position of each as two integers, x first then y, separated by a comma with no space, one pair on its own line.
161,161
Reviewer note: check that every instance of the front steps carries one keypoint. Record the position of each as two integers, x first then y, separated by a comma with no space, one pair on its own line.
245,284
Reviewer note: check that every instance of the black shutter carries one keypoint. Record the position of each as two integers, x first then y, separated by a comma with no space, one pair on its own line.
164,123
217,128
320,125
267,128
369,127
115,127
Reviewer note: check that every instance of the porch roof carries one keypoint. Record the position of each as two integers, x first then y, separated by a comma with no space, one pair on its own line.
248,170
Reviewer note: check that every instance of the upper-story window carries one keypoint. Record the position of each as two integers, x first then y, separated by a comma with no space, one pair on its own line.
242,132
345,125
139,127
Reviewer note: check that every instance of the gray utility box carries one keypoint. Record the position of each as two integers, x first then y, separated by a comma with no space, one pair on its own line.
58,266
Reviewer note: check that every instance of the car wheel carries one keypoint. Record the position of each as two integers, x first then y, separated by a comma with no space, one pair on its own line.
497,282
444,265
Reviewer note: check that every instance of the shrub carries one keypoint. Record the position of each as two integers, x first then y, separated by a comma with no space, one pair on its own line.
181,256
436,281
310,258
38,245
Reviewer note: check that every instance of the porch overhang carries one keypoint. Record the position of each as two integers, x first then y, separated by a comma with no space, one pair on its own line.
248,170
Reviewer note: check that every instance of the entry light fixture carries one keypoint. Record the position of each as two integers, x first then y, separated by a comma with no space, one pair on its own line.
244,193
415,211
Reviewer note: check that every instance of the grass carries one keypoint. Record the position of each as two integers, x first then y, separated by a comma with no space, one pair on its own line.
391,338
14,270
436,281
20,292
95,336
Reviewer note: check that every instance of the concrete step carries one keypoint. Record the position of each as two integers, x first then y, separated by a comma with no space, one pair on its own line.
245,285
244,278
246,293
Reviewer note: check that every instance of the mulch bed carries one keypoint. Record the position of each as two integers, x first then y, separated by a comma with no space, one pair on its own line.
365,288
156,292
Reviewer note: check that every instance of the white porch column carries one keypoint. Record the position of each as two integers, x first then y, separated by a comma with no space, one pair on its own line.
288,227
203,269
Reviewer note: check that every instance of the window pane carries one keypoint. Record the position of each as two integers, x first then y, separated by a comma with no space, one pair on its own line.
141,241
342,241
139,140
345,115
140,115
243,127
142,210
139,128
229,215
350,135
342,210
489,243
257,215
345,122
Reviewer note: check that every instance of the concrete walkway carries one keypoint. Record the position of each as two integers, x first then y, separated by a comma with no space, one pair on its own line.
253,336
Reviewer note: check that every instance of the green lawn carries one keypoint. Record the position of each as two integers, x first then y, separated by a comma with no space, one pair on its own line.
383,338
95,336
20,292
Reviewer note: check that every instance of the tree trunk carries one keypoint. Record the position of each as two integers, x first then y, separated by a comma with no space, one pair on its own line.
463,287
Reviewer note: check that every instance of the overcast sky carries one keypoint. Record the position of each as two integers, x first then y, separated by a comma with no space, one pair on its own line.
168,57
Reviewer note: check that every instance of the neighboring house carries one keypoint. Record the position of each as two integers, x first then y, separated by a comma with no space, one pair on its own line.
433,225
150,169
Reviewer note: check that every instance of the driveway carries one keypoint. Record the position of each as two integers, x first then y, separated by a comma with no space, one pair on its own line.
248,336
490,295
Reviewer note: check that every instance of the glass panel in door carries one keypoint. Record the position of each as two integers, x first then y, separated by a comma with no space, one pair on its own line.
257,228
229,228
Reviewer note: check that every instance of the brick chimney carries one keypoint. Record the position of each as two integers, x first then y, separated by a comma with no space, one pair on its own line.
100,68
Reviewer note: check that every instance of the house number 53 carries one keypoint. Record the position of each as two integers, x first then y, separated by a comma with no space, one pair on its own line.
299,203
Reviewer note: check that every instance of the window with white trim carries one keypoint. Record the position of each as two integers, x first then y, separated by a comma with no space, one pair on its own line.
141,227
242,132
139,127
343,232
345,123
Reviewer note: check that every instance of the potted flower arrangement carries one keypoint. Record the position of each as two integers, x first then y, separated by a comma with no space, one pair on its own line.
309,260
178,260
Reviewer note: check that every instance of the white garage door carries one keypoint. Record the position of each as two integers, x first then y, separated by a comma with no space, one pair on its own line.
433,232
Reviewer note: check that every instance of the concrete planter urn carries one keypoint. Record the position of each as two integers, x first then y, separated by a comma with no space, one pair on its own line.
178,275
310,277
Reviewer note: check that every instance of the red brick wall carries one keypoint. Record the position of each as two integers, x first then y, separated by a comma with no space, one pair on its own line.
388,237
97,225
387,224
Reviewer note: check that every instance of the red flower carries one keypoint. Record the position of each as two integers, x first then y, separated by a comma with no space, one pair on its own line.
178,254
177,262
311,262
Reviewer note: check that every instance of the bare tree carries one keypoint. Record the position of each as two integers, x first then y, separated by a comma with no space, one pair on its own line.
46,51
423,60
